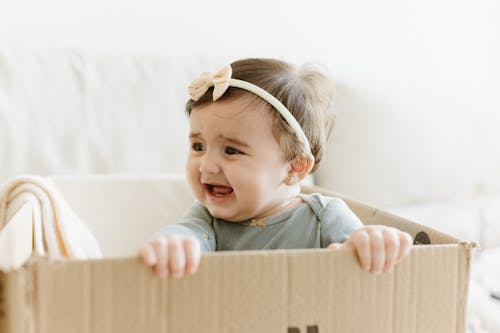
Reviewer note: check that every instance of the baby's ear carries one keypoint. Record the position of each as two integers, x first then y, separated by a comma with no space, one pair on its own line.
300,167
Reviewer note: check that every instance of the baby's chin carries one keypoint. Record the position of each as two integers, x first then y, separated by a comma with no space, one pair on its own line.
238,218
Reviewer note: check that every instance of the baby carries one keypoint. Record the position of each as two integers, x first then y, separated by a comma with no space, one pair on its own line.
257,128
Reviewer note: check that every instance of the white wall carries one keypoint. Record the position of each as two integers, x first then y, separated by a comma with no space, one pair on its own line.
431,65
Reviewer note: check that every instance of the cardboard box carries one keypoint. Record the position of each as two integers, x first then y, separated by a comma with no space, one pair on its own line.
287,291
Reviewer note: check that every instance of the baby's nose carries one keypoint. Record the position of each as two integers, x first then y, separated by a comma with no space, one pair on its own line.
209,165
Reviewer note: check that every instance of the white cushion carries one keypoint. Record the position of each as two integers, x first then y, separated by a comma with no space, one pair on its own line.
73,112
398,151
123,211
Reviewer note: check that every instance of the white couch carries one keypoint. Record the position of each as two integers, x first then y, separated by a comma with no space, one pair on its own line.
73,112
65,111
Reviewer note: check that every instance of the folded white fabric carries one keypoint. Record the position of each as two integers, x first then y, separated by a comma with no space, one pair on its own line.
35,219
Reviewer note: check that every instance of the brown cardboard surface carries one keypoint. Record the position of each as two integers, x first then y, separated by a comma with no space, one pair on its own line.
97,296
16,303
234,292
421,295
259,291
255,291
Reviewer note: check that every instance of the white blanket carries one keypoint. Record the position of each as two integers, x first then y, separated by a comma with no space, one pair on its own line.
36,220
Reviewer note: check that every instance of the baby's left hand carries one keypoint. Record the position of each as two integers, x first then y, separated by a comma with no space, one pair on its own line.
378,247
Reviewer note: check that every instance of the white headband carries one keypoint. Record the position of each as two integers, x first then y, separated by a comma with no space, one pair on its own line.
222,80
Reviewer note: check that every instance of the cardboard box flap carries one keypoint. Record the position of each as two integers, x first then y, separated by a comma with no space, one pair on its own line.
230,293
421,295
233,292
251,291
17,301
98,296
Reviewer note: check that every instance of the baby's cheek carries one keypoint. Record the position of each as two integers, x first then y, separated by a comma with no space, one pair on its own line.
193,178
192,169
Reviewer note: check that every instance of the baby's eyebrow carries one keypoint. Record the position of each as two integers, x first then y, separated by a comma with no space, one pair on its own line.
195,135
234,141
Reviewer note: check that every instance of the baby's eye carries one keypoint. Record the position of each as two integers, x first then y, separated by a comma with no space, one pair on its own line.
197,146
232,151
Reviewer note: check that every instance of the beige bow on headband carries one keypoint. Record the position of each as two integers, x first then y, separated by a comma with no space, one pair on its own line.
219,80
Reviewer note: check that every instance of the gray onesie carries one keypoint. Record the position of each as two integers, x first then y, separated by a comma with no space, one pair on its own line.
315,223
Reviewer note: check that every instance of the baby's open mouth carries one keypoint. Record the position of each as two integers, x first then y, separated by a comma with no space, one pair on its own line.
219,190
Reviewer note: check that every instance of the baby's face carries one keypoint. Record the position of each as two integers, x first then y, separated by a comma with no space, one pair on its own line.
235,165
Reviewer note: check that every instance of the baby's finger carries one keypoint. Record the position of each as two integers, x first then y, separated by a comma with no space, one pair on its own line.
192,251
377,247
360,240
391,239
147,254
160,246
177,258
406,243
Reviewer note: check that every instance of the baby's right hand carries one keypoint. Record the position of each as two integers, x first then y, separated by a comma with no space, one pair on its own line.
172,255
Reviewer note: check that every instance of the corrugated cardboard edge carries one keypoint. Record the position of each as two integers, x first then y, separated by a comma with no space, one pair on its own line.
465,270
17,299
26,304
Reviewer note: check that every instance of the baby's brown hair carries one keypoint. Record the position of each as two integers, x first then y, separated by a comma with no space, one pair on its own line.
306,92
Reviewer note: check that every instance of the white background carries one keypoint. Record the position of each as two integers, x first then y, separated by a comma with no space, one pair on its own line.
430,67
447,41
